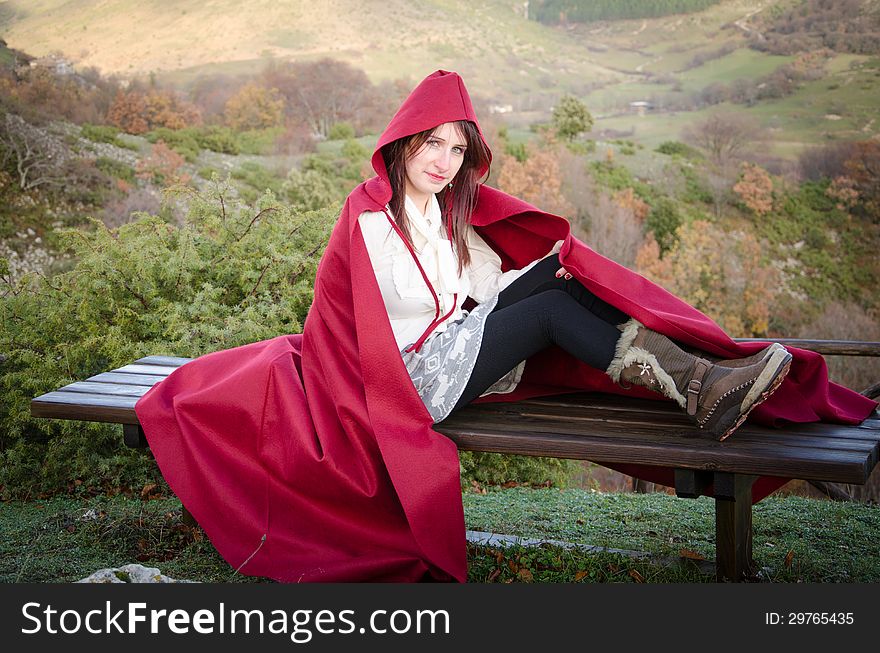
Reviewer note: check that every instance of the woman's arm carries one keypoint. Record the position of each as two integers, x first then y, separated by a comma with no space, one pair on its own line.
484,271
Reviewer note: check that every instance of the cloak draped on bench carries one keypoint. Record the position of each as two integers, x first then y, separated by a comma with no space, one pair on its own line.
312,458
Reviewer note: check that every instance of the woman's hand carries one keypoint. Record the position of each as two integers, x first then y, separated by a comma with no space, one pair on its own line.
563,272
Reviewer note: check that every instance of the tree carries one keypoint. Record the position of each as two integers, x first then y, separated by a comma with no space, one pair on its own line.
723,139
166,109
863,168
38,157
162,167
720,273
128,112
537,181
571,118
321,93
755,189
254,107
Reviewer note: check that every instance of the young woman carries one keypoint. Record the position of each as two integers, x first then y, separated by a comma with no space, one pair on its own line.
428,260
314,457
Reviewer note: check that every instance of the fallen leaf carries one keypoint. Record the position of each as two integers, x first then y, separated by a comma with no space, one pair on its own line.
495,574
579,522
788,558
693,555
509,484
636,576
148,489
513,566
71,529
526,576
580,575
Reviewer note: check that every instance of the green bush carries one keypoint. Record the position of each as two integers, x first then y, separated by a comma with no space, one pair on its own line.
227,276
215,138
675,148
255,180
309,190
496,469
181,141
259,141
341,131
517,151
115,169
664,220
102,134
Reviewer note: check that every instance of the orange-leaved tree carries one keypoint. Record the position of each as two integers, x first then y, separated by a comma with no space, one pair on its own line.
722,274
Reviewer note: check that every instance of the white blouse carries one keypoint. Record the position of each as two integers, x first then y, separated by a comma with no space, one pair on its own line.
408,300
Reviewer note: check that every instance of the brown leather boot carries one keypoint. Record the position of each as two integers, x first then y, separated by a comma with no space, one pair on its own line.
736,362
717,398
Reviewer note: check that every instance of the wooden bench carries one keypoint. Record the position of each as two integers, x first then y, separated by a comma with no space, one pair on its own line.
602,428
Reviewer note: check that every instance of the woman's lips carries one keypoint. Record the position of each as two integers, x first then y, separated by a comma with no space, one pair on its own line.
436,178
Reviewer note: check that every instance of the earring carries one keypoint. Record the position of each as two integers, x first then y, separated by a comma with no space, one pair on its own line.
450,184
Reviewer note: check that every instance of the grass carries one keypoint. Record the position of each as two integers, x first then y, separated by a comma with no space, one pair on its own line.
795,539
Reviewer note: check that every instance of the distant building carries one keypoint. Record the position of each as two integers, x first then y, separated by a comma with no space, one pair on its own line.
500,108
57,64
640,107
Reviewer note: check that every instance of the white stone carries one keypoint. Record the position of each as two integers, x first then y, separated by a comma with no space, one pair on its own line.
133,573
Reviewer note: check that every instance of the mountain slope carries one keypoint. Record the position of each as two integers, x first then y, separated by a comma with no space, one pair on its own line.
487,41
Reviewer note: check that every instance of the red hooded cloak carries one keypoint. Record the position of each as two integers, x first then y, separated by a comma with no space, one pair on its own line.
312,458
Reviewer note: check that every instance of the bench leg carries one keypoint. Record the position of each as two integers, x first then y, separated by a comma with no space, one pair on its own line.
733,526
133,436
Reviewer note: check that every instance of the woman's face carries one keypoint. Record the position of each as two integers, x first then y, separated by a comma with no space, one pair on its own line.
435,164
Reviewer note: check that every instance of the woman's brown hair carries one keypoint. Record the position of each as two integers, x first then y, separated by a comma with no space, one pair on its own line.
457,202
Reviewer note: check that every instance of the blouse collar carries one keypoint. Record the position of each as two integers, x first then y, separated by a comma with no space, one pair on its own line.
428,224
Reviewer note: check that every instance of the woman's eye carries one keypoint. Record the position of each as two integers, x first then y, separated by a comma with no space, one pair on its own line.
458,150
433,143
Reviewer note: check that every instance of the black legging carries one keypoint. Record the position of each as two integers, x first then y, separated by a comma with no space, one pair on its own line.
537,311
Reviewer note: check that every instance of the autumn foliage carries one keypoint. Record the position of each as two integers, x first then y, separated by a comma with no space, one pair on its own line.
254,107
537,180
162,166
719,273
136,112
755,189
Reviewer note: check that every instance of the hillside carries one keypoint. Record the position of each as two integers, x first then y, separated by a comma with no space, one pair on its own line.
681,65
486,41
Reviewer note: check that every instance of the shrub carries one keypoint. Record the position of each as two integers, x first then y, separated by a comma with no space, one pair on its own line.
664,221
255,180
675,148
215,138
181,141
259,141
229,275
102,134
115,169
496,469
341,131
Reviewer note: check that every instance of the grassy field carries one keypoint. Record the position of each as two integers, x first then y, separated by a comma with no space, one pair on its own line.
653,538
504,57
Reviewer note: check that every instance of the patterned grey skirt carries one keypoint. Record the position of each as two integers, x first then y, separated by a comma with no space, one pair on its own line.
441,369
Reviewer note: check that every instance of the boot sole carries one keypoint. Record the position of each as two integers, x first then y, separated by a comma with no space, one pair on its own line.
769,389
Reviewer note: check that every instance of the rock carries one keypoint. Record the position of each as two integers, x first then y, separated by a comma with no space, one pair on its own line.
133,573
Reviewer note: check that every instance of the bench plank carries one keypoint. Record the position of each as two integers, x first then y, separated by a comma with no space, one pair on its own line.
111,389
170,361
127,379
88,407
136,368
